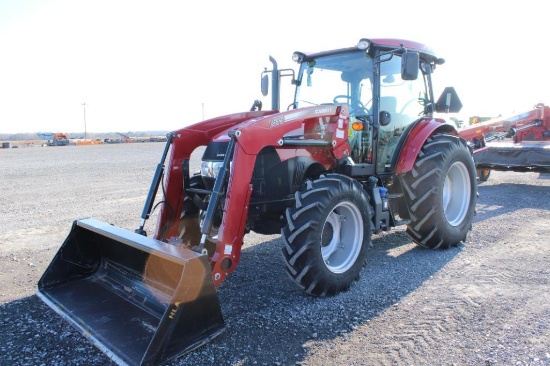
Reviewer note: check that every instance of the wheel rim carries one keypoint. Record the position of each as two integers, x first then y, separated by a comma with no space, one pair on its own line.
342,237
456,193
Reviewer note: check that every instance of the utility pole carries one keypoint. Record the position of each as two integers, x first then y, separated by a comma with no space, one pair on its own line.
85,134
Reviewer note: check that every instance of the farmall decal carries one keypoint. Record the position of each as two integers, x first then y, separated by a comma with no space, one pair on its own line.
276,121
279,120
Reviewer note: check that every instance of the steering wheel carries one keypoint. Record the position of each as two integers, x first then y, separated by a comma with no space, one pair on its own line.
360,108
346,97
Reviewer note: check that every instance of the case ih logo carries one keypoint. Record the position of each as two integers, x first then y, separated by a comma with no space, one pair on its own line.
323,110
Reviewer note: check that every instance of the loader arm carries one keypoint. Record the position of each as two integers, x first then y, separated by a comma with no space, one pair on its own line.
251,137
184,142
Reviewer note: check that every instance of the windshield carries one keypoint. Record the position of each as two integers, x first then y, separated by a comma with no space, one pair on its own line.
341,78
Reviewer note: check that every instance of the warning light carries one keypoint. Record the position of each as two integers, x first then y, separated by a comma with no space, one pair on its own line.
357,126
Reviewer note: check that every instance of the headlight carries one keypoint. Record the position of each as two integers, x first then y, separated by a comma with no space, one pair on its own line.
211,169
363,44
298,57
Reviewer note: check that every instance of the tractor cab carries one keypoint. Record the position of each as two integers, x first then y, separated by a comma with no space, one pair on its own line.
387,87
382,100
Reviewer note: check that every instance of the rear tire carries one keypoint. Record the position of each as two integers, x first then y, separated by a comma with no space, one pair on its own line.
440,193
327,235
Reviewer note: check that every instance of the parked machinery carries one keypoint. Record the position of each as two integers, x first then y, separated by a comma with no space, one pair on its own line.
54,139
519,143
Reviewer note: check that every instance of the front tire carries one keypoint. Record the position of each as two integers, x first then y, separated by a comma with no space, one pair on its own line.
440,193
327,235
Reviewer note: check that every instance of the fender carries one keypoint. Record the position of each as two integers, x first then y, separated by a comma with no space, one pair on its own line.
421,131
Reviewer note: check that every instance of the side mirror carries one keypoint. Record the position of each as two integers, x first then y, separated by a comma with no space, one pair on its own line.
409,65
385,118
448,102
265,85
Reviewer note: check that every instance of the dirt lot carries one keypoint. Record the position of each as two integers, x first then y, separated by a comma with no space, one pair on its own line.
483,303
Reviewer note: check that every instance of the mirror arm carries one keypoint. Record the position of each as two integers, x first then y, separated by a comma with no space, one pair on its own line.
256,106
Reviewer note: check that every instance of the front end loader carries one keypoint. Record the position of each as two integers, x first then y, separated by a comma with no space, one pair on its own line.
356,152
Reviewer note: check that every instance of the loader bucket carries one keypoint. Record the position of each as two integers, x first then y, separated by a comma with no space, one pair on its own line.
141,301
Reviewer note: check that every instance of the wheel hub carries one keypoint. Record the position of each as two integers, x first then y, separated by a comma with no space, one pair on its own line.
342,237
456,193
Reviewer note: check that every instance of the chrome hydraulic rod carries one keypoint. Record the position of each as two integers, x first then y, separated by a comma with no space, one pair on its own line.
147,208
218,190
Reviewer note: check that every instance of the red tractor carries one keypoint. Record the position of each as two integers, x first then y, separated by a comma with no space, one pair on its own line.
357,148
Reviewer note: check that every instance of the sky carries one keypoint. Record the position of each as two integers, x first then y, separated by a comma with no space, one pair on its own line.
162,65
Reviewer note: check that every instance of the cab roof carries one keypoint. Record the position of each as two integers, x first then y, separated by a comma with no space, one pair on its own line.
426,52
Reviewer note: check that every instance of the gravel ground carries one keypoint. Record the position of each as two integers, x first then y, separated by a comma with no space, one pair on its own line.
482,303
